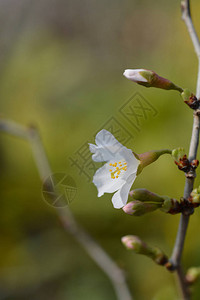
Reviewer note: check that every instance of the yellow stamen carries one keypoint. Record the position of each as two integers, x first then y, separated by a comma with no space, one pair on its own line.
122,166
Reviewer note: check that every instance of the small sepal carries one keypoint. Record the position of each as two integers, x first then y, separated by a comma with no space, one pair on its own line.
183,164
190,99
134,243
194,163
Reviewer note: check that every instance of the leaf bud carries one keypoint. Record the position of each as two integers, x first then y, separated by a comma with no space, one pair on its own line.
190,99
181,160
193,274
195,196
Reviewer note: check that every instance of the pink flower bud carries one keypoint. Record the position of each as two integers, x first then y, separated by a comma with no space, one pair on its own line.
132,242
138,208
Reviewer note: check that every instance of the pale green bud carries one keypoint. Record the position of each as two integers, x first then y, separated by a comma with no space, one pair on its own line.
190,99
134,243
146,196
181,160
186,94
178,154
193,274
195,196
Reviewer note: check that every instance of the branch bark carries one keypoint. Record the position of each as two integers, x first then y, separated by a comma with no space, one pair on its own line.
93,249
184,221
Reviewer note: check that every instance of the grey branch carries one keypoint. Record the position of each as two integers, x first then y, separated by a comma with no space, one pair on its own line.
186,16
184,221
93,249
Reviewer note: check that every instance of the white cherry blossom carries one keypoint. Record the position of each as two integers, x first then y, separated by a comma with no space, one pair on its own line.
118,173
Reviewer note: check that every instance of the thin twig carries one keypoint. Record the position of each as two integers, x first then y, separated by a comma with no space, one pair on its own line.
101,258
184,221
186,16
178,248
183,287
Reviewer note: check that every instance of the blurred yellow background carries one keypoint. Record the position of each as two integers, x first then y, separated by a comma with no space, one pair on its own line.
61,66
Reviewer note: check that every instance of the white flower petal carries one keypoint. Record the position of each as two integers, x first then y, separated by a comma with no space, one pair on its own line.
134,75
131,160
92,147
104,183
104,139
100,153
120,198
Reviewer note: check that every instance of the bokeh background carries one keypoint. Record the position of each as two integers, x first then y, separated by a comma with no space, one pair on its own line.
61,66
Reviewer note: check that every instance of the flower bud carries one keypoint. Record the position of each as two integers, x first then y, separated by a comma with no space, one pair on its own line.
193,274
134,243
190,99
148,158
145,196
146,201
138,208
149,78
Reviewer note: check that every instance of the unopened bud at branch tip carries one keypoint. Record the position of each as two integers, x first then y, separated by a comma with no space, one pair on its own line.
149,78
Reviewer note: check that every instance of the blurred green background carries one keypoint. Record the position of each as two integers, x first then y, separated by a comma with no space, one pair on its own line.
61,66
